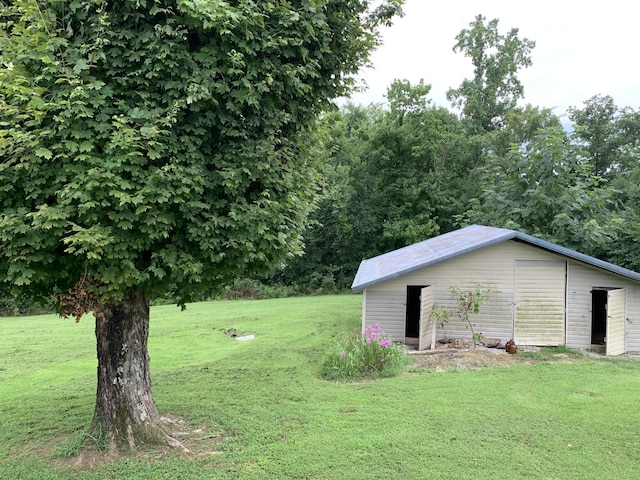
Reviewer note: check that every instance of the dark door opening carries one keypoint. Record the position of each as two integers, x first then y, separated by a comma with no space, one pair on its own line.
412,325
598,316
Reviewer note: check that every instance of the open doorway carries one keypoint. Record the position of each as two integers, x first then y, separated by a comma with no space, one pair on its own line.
598,316
412,324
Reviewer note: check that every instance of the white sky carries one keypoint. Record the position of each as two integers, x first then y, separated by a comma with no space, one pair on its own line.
582,49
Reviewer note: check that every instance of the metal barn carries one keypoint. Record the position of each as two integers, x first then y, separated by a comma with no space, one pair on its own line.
541,294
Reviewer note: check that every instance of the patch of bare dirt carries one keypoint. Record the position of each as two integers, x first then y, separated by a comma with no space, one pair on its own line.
444,359
192,441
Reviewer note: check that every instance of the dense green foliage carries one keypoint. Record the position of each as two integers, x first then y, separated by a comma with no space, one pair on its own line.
390,174
404,171
495,88
268,414
546,188
392,177
164,144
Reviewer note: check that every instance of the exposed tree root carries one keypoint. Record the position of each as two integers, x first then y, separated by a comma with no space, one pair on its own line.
179,439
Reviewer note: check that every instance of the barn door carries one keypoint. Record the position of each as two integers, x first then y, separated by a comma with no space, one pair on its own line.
427,323
540,302
616,314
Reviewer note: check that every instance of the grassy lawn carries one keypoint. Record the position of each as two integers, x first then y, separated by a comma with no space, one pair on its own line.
276,419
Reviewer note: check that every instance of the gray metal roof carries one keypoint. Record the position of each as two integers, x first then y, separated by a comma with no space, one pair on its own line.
453,244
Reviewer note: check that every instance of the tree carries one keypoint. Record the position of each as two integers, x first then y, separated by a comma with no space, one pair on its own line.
625,251
596,128
609,134
393,174
547,189
521,126
331,253
494,88
154,144
412,168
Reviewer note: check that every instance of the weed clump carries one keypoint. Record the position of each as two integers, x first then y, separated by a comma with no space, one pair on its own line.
360,356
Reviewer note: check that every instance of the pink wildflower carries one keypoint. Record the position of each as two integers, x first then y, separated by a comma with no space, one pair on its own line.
343,353
385,342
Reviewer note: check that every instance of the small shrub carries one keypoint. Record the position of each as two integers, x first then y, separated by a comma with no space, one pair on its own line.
322,284
367,355
468,303
254,289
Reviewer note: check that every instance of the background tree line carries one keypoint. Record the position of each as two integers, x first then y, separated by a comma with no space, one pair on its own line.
406,170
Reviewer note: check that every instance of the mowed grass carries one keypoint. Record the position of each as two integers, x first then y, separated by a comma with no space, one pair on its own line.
279,420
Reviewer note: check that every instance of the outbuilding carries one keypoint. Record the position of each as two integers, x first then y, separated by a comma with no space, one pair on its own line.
540,294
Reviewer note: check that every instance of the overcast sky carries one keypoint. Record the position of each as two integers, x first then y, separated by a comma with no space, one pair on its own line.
582,49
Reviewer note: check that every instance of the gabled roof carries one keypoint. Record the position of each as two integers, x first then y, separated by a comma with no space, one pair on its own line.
459,242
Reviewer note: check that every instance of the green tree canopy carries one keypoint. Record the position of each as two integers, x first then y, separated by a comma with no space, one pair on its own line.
156,144
596,128
394,174
609,134
495,88
546,189
521,126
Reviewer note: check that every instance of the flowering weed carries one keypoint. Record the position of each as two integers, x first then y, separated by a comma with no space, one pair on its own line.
367,355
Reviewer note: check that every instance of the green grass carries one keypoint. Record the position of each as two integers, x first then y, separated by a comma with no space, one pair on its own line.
549,353
280,420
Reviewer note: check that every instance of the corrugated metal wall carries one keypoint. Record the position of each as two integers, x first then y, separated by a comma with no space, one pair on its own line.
388,308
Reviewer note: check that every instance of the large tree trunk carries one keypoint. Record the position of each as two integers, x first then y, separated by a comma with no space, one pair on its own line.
125,414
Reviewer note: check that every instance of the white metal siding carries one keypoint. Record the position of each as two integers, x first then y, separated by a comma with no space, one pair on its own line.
388,308
363,319
540,302
633,318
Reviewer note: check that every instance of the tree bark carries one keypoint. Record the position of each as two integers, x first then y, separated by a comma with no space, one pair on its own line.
125,415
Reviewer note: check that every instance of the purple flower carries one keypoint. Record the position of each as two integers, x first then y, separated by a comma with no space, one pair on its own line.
382,360
343,353
385,342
